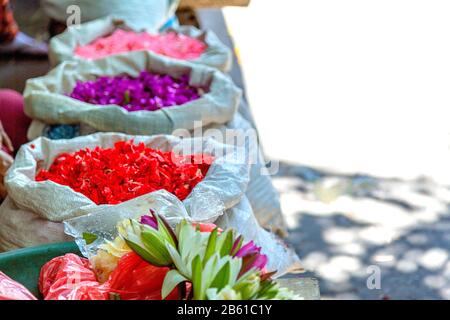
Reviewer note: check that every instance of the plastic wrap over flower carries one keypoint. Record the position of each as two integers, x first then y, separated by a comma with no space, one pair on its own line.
12,290
101,224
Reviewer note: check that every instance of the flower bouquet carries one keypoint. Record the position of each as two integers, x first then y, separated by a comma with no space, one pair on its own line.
150,260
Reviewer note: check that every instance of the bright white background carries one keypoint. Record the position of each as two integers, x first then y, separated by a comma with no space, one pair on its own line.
351,85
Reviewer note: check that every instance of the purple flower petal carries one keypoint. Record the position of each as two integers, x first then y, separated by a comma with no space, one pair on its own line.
247,249
148,91
150,221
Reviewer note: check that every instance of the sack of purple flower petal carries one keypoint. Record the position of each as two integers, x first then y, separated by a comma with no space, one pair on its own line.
135,93
63,47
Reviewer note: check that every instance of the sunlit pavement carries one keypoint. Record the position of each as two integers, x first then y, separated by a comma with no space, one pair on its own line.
343,92
342,226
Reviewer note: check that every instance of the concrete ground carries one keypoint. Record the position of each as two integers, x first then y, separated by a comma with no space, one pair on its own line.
352,97
344,225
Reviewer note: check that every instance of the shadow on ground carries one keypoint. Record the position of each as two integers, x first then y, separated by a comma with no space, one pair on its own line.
366,237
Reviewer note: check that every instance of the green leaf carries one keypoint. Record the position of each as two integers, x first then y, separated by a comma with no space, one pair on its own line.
178,262
197,278
89,237
249,285
209,271
153,244
172,279
223,277
239,240
167,229
191,243
211,246
268,290
236,265
227,243
147,256
185,235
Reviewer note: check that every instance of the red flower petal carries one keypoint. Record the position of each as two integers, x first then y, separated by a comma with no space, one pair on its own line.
126,171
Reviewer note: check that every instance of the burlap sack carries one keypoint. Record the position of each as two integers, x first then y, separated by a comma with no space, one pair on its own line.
139,14
46,99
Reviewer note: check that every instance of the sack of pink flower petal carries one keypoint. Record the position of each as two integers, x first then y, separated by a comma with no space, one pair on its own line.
108,36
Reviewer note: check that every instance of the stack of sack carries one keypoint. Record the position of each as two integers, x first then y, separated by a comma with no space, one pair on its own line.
236,194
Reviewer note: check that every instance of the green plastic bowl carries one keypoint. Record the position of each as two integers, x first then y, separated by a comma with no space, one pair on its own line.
24,265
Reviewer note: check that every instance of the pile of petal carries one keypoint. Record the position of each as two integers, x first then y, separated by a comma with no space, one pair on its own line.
149,91
126,171
169,44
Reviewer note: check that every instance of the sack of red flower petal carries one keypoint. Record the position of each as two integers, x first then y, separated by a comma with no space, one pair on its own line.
126,171
33,212
12,290
108,36
135,93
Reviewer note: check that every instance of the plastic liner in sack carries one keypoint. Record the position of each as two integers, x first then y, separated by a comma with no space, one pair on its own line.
139,14
33,211
263,197
45,97
103,223
62,47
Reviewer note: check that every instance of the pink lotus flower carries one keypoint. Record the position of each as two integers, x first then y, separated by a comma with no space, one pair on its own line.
150,220
251,256
154,220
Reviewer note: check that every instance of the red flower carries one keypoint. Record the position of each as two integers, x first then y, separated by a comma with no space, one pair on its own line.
206,227
136,279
